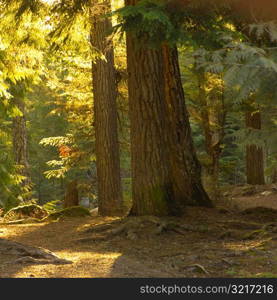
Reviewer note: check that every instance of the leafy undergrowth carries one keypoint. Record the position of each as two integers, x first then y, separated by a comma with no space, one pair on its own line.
25,211
33,213
216,242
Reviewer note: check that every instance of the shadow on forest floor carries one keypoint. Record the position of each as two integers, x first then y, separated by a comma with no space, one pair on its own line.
218,243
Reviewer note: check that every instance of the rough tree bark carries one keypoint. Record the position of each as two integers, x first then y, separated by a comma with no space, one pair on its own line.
254,153
152,189
71,196
165,171
105,114
20,144
185,168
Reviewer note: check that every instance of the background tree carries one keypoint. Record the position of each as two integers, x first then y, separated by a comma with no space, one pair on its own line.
105,112
254,154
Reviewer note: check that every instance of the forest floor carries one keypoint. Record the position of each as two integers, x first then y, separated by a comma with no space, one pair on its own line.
227,241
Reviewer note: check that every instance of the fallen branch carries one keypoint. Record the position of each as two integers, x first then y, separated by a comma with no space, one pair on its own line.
30,254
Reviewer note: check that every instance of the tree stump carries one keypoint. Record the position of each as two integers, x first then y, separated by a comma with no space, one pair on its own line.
71,195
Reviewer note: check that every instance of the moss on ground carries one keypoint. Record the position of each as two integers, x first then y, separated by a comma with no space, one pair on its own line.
73,211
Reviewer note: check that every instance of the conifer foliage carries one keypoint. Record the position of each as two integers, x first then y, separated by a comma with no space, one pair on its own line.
143,107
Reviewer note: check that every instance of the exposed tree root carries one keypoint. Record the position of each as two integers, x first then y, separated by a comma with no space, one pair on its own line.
29,254
260,233
133,227
199,268
240,225
266,230
255,230
22,221
102,227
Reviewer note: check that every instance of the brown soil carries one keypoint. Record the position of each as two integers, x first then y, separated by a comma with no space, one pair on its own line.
220,242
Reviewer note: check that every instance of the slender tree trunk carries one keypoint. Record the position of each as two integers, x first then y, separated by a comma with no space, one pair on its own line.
20,145
254,153
185,168
274,176
213,116
105,115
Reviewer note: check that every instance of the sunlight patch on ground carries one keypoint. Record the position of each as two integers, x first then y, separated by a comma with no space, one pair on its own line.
10,231
85,264
3,232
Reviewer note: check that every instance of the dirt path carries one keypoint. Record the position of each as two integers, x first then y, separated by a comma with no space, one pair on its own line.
228,245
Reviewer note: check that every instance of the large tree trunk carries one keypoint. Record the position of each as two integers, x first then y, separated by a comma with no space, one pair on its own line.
105,115
20,145
152,189
165,171
254,153
185,168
